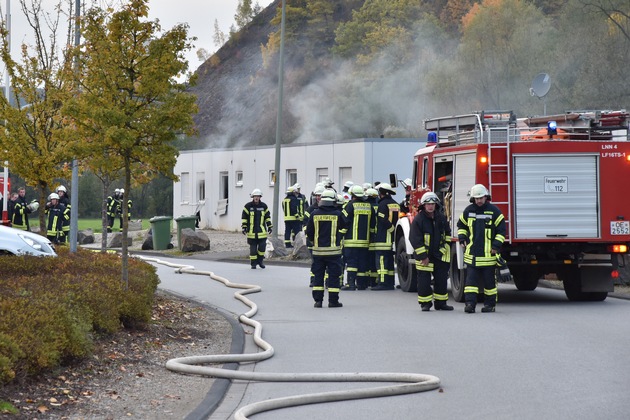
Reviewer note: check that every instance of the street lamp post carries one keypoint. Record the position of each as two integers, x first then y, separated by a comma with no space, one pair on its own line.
276,184
7,93
74,186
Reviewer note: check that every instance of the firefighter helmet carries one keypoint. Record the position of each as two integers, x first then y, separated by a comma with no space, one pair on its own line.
297,186
327,182
340,200
478,191
328,197
371,192
319,189
367,185
256,193
61,188
429,197
348,184
53,196
386,188
357,191
117,191
407,183
290,190
33,206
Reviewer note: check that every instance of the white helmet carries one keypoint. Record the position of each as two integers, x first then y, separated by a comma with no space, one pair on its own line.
117,191
33,206
429,197
318,190
53,196
340,200
327,182
122,190
478,191
290,190
407,182
328,197
371,192
367,185
357,191
297,186
61,188
348,184
386,187
255,192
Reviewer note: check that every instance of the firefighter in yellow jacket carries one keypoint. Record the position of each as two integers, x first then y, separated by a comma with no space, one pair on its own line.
430,236
256,225
481,231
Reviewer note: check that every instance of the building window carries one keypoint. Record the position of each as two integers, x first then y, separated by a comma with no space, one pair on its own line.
223,186
291,177
345,174
239,178
184,179
320,174
201,186
272,178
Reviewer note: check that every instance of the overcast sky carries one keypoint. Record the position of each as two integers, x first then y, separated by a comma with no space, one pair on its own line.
199,14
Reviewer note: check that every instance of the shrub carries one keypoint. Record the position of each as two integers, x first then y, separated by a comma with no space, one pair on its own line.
51,307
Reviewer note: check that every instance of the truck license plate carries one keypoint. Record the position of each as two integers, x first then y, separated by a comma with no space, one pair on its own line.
620,228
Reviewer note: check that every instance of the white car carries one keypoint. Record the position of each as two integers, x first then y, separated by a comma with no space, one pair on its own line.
21,242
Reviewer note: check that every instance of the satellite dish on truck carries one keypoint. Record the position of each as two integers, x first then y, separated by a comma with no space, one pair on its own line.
540,87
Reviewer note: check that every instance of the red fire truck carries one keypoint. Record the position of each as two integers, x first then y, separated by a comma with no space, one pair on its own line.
561,181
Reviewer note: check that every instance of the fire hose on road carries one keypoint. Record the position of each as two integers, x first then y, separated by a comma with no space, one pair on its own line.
411,382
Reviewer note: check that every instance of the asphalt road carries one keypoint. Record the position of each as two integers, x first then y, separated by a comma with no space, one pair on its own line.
538,356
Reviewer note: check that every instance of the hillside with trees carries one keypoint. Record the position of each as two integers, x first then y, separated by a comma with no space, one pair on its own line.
365,68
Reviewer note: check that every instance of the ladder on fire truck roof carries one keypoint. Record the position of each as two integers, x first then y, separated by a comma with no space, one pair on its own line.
499,162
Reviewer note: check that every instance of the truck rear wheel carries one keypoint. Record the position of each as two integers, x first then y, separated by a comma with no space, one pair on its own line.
525,279
573,287
406,271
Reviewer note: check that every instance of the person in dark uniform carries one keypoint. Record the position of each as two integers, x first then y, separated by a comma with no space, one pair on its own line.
386,219
324,231
256,225
24,209
55,212
430,237
360,220
64,199
481,231
292,217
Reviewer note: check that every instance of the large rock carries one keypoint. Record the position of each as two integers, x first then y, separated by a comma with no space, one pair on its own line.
115,240
275,248
193,241
135,225
85,237
300,248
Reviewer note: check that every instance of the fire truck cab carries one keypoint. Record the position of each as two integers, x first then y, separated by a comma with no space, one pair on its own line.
560,181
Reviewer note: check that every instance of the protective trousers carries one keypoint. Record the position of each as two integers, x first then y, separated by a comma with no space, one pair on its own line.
256,250
321,265
357,267
440,276
291,228
481,276
385,268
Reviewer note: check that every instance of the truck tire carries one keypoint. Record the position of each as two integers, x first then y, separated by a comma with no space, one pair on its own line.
406,272
573,287
458,278
525,279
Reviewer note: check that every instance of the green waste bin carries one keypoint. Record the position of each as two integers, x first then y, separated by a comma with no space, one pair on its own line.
161,230
184,222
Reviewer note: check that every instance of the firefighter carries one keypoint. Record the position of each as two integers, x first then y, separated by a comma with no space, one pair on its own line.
372,198
346,190
62,192
256,224
404,205
303,203
481,231
324,231
292,217
317,193
430,237
56,213
386,219
360,223
113,206
24,209
119,211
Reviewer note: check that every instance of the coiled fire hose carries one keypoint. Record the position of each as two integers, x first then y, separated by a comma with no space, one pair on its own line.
412,382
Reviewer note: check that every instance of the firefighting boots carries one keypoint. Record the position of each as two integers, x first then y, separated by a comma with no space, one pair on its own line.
487,308
469,309
318,304
260,262
351,285
426,306
335,304
442,306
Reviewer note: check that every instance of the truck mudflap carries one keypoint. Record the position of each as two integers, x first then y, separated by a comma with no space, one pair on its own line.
596,279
